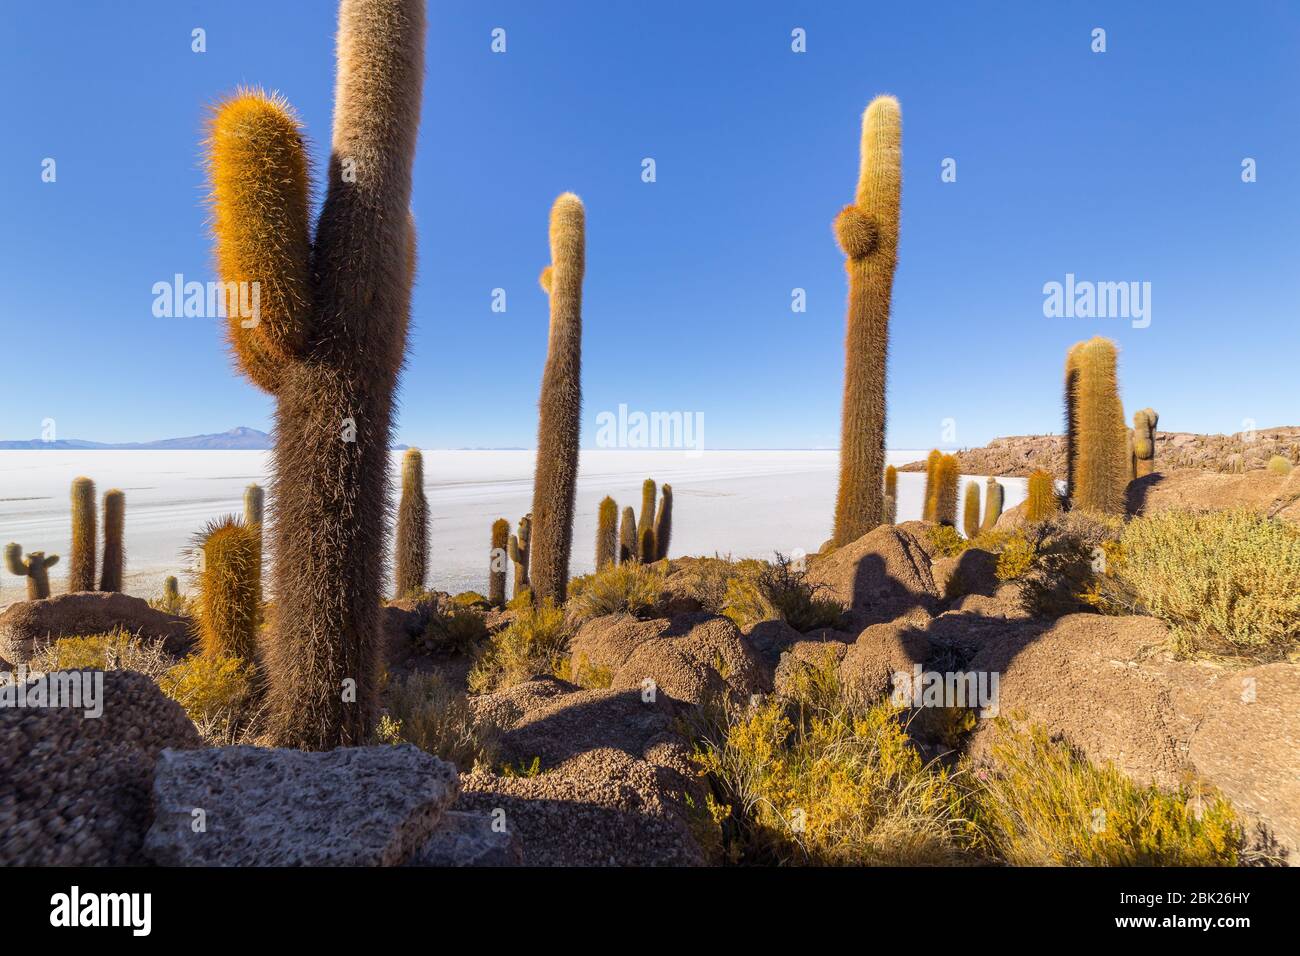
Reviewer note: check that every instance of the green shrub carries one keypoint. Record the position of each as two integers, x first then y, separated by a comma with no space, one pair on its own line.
215,690
1070,552
780,591
533,644
630,588
113,650
1038,804
426,710
1279,465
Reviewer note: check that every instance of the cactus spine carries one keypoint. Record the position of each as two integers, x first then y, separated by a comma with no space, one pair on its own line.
931,487
1144,441
110,574
606,533
970,518
663,530
1099,453
329,344
1043,501
519,555
559,411
868,235
947,477
993,494
81,561
410,565
35,569
228,586
497,564
646,520
627,544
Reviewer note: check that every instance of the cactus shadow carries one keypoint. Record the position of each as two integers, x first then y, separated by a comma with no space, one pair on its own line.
1138,491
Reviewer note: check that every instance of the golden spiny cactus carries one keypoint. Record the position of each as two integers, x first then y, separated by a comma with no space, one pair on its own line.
1144,441
646,552
931,487
328,342
35,569
81,561
228,588
646,520
868,235
497,563
411,561
254,505
519,544
627,546
970,518
947,477
1100,453
1042,501
1071,417
606,533
110,573
993,494
555,479
663,530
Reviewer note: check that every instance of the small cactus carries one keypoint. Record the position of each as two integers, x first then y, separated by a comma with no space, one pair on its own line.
254,504
947,477
1097,459
627,546
519,555
1043,501
110,575
411,564
931,466
1144,441
891,510
646,520
606,533
664,523
229,589
81,562
497,566
993,495
35,569
970,518
172,602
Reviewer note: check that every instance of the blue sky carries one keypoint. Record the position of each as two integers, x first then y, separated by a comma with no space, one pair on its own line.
1120,166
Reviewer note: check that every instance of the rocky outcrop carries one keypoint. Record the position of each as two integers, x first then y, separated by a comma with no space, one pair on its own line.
254,806
470,839
28,626
75,790
881,651
1260,491
878,577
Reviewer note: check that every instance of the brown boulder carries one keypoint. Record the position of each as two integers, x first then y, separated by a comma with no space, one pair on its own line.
1261,491
802,657
974,571
882,575
881,651
26,627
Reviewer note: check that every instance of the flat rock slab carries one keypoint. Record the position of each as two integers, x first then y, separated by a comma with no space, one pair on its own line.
470,839
354,806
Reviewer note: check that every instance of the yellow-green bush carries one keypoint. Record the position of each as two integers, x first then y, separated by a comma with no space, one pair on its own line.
113,650
460,629
215,690
1225,581
1279,465
779,591
631,588
426,710
579,670
534,643
1038,804
1015,558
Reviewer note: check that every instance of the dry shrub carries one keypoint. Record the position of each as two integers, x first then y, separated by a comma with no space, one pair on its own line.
427,711
631,587
534,643
780,591
218,694
111,651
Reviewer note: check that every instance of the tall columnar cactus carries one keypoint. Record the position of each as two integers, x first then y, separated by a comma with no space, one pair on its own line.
228,588
519,555
947,477
1130,455
328,343
646,519
606,533
254,505
627,544
1042,501
110,573
931,469
35,569
663,530
868,235
497,563
81,561
555,479
970,517
1099,456
646,548
889,514
1071,417
1144,441
411,561
993,495
890,505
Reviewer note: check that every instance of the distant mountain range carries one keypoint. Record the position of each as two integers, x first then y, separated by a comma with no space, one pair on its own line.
244,439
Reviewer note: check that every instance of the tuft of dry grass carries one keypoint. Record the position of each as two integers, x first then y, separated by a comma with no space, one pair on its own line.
632,588
780,591
111,651
426,710
534,643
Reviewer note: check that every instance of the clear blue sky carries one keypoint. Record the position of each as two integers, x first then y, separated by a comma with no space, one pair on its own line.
1122,166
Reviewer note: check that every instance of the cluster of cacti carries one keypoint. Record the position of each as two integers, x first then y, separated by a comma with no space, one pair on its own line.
81,557
606,533
627,545
993,494
114,563
1042,501
947,478
228,585
497,559
328,344
890,513
35,568
519,555
1144,441
663,529
410,565
867,231
970,517
1097,452
931,486
559,410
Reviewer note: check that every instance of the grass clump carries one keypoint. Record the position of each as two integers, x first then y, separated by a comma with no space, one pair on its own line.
1039,804
1227,582
1279,465
1058,563
534,643
110,651
579,670
780,590
631,588
459,629
821,782
427,711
